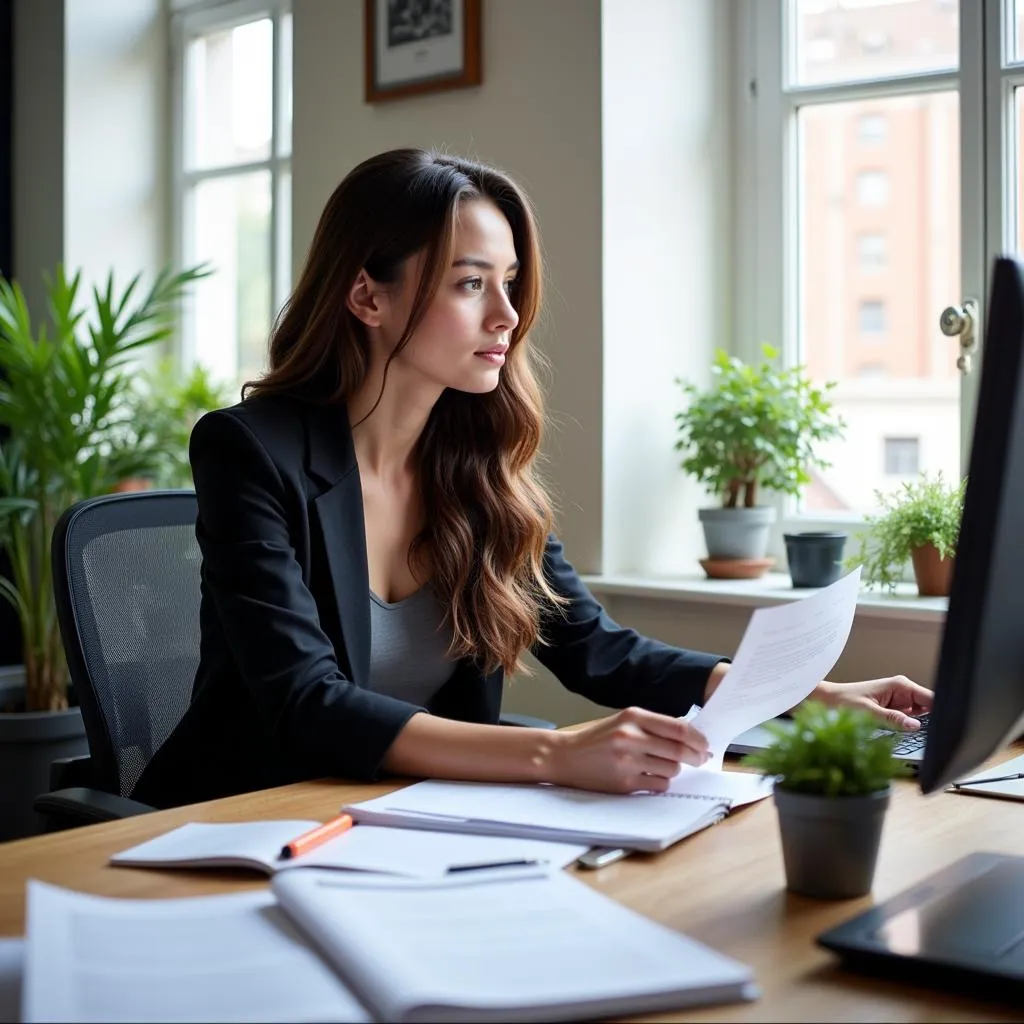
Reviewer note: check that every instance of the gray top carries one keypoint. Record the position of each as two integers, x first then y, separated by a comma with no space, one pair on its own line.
408,648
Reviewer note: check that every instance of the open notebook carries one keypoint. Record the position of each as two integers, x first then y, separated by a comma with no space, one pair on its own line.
638,821
257,844
512,945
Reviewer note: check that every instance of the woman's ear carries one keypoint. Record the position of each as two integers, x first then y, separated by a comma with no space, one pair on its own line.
365,300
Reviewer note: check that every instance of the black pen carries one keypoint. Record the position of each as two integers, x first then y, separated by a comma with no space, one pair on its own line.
494,864
997,778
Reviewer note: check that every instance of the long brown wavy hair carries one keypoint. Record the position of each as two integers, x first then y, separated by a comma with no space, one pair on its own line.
487,514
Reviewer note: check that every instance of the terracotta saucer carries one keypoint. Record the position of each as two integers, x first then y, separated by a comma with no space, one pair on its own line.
736,568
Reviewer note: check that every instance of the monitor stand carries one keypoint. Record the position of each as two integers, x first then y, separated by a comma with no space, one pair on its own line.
962,924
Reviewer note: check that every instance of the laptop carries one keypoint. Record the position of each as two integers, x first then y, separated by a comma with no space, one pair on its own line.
909,747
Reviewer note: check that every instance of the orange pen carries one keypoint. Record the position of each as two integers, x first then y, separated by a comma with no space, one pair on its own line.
316,837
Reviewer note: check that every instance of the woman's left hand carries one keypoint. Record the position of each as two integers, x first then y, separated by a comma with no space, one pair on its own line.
895,699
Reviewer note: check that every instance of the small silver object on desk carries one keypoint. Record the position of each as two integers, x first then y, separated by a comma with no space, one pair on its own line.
601,856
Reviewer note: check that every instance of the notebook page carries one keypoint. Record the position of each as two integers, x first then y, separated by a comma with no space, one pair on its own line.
738,788
501,947
203,843
640,816
231,958
421,854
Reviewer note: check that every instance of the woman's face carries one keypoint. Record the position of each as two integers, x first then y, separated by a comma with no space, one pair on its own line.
462,339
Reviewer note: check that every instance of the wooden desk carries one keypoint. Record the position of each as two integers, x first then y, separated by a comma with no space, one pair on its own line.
723,886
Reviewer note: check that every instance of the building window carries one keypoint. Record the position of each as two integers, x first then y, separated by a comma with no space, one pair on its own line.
872,188
902,456
872,128
233,177
872,253
871,317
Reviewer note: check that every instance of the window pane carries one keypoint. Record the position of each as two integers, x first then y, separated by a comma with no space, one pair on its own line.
874,277
847,40
228,99
230,228
902,456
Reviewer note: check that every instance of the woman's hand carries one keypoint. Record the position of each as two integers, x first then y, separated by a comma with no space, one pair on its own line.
633,749
893,699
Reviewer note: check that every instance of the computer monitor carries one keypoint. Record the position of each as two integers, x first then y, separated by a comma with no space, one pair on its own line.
979,683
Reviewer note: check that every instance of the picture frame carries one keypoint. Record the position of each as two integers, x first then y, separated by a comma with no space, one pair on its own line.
414,47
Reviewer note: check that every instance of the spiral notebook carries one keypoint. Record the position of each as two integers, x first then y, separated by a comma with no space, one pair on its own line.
637,821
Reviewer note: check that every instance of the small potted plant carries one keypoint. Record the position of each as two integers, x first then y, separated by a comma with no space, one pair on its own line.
833,770
756,427
921,523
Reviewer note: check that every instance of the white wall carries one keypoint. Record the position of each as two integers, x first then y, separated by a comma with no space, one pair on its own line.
665,117
90,139
38,132
116,138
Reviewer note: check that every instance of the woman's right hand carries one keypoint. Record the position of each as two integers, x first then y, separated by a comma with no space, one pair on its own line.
628,751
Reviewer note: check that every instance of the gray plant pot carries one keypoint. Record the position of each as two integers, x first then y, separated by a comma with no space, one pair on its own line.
830,844
29,742
815,558
737,532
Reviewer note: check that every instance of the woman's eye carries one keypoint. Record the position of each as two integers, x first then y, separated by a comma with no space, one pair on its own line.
509,285
472,284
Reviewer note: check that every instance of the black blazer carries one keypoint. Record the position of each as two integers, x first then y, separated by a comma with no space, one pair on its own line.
281,691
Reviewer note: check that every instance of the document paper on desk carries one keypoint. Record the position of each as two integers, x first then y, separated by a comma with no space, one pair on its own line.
785,652
206,958
511,944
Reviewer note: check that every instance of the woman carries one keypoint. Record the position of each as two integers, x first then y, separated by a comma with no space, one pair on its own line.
376,548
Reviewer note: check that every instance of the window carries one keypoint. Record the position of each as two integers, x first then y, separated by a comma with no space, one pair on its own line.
872,188
871,317
902,456
857,213
871,252
871,128
233,177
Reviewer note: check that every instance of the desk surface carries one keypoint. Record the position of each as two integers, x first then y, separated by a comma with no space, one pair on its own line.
723,886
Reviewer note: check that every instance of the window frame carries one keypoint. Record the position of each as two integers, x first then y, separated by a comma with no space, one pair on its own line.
766,187
189,19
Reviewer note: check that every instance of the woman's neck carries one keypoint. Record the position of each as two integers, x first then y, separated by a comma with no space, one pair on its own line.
386,437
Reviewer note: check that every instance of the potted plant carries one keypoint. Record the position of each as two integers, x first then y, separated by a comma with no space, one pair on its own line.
756,427
69,409
919,522
833,770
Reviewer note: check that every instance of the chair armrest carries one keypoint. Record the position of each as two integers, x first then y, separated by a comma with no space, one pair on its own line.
66,808
525,721
70,771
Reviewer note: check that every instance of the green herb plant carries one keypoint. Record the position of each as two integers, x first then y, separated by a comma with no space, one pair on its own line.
755,426
923,511
67,401
830,752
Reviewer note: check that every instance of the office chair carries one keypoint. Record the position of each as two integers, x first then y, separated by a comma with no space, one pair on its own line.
126,582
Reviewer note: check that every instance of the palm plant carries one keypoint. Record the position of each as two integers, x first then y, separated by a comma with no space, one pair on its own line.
67,403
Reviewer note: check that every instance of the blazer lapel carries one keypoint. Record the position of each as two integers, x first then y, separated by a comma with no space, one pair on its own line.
339,509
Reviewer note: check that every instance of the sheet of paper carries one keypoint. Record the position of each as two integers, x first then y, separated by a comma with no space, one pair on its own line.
12,956
520,940
785,652
228,958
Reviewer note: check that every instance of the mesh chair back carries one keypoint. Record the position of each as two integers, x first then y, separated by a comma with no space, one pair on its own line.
126,579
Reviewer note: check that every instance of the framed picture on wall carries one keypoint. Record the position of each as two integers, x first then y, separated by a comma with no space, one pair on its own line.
420,46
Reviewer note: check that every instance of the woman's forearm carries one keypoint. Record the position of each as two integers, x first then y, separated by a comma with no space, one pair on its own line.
439,748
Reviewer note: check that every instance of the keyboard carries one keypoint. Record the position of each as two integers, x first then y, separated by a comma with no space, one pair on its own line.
912,742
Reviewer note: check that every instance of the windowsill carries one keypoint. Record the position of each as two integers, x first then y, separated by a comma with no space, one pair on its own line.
772,588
